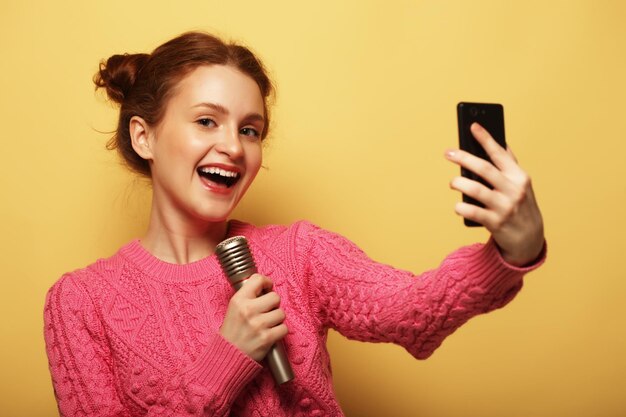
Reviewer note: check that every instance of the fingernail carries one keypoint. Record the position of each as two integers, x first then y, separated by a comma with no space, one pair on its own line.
477,126
450,153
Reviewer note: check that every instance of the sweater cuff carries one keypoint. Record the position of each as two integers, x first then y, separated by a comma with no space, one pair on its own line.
526,268
490,272
223,368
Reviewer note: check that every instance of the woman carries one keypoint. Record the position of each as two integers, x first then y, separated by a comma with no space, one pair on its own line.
156,330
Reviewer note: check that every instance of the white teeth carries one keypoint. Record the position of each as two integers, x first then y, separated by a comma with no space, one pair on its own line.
219,171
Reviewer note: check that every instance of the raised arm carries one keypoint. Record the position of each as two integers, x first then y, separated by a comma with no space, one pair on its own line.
369,301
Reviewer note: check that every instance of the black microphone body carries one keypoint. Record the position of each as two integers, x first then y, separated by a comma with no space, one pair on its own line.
238,265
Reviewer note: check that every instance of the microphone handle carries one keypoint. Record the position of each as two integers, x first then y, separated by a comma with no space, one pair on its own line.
276,357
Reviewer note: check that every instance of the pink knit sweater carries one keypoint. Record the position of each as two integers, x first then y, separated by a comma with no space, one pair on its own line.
135,336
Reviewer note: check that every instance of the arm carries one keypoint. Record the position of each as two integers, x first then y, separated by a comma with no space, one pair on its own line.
83,376
369,301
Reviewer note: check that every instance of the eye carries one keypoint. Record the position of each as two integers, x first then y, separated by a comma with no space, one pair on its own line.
206,122
249,131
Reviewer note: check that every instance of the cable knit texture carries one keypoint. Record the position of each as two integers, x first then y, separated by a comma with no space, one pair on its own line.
135,336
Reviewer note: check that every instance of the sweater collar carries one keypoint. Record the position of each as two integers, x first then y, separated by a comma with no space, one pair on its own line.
163,271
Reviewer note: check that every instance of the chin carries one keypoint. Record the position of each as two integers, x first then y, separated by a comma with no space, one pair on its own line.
214,214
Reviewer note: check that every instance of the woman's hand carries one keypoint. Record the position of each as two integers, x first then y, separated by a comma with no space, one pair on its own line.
253,321
511,213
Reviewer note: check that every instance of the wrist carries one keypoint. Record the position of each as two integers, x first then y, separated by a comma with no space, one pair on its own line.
526,256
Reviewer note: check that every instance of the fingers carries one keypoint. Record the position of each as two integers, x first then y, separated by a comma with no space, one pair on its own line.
511,154
479,192
255,297
255,285
473,212
498,206
264,320
272,318
504,174
254,321
511,185
499,155
511,212
480,167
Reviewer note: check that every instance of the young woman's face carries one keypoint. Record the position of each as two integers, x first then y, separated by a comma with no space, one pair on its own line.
207,149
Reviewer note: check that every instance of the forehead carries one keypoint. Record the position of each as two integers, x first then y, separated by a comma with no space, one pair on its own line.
218,84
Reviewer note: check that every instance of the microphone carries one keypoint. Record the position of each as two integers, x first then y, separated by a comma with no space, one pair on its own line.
238,265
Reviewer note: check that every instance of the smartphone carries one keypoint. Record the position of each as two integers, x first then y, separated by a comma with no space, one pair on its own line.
491,117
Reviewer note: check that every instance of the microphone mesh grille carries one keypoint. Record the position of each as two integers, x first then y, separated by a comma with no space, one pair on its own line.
235,257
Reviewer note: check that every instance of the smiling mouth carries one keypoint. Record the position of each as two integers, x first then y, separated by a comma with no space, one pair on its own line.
219,176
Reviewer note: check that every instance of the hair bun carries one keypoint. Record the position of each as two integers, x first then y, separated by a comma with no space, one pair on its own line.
118,74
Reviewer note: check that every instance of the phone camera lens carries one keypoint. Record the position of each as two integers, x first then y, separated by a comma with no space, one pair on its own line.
474,111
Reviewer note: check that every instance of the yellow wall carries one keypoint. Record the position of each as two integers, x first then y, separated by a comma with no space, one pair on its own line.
366,108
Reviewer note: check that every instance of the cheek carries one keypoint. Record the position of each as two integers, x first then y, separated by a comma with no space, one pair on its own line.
182,149
255,159
258,160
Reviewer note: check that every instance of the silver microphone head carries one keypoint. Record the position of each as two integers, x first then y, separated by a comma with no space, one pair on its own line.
236,259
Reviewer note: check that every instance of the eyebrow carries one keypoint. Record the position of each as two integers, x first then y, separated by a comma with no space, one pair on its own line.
224,111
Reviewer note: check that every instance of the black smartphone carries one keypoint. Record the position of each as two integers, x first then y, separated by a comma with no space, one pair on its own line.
491,117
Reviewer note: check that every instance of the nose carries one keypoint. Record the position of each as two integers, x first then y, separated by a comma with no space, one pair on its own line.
230,143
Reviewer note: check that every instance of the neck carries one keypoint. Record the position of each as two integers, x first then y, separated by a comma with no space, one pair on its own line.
182,241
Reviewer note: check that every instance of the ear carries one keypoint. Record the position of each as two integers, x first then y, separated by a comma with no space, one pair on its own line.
141,137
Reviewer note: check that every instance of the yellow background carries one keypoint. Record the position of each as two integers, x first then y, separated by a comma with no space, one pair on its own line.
365,109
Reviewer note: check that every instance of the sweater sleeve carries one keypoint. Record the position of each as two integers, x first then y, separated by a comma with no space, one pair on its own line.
369,301
80,363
